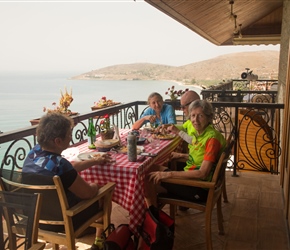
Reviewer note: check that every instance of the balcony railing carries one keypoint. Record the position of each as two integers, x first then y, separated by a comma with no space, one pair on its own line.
254,96
257,133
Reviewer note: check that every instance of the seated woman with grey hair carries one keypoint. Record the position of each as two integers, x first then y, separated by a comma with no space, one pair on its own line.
54,134
207,146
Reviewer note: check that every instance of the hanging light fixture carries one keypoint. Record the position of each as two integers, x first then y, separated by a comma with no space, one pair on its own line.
236,30
232,15
240,31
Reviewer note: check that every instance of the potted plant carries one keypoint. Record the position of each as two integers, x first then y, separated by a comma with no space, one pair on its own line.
65,101
103,103
174,95
107,132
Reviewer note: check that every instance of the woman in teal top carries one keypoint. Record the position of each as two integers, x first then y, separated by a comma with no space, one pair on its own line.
207,146
157,113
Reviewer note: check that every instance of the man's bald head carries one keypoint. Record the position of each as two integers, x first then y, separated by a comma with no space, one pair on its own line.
187,98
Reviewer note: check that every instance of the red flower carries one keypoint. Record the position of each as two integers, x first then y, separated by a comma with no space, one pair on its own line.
105,123
174,94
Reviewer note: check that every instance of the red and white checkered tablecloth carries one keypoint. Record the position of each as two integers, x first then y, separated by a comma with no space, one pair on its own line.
128,176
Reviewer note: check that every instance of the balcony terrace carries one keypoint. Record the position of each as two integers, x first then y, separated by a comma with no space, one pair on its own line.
254,215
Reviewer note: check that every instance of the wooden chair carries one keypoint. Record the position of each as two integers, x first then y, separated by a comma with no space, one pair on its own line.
55,208
215,187
174,162
21,215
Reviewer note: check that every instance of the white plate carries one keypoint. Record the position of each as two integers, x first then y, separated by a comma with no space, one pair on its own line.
88,155
70,153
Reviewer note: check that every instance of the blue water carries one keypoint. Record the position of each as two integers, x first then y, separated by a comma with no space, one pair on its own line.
23,96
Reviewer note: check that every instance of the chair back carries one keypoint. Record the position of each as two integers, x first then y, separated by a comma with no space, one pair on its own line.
60,210
21,214
219,174
17,181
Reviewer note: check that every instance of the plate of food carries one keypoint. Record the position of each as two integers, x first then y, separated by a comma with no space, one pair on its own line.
165,136
70,153
124,150
89,155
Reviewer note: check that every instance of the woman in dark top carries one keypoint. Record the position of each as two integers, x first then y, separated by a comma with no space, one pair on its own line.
54,134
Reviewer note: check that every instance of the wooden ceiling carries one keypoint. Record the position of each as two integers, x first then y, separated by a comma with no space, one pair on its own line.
260,20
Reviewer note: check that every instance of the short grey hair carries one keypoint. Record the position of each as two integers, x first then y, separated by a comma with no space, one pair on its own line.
154,94
206,107
53,125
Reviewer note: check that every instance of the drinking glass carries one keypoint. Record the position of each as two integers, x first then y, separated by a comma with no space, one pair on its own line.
113,153
154,143
153,125
144,133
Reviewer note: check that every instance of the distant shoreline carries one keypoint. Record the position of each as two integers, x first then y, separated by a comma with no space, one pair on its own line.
177,82
187,85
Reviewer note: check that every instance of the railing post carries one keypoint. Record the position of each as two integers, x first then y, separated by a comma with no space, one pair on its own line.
236,141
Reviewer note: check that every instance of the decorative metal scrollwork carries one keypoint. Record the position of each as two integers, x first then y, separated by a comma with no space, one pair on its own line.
258,143
15,154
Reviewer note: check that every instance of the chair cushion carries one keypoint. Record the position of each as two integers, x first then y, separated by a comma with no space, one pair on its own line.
188,193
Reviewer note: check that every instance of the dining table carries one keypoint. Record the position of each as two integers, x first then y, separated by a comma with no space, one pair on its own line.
129,176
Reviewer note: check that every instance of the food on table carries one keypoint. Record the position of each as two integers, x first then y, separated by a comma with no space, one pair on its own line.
124,150
164,136
96,155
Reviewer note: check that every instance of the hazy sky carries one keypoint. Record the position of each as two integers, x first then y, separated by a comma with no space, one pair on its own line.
85,35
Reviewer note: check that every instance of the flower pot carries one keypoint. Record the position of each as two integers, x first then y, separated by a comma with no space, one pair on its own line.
37,120
104,106
108,135
174,103
34,121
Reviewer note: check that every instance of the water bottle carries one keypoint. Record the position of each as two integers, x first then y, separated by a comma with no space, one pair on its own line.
91,134
132,147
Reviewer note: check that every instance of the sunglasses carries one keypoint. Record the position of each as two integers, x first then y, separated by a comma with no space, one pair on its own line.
185,105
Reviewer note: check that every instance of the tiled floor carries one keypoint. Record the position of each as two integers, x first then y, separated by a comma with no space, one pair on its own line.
253,218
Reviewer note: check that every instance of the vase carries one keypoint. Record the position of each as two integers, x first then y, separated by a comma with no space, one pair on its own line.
107,135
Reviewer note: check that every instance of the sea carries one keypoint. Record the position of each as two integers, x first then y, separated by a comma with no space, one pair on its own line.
23,95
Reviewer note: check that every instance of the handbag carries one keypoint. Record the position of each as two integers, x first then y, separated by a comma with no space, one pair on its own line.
157,230
120,238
